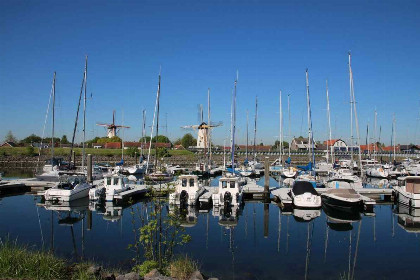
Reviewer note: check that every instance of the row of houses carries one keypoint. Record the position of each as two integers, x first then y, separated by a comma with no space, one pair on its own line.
339,145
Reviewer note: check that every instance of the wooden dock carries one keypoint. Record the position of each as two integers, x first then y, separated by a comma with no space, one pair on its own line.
140,189
282,195
23,185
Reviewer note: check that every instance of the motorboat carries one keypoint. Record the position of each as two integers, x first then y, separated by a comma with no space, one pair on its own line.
304,195
305,215
408,218
187,190
229,190
377,171
246,171
340,183
257,166
345,173
408,191
344,199
69,188
136,169
289,172
115,184
323,168
276,167
159,176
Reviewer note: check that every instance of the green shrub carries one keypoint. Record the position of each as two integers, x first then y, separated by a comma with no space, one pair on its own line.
146,267
30,150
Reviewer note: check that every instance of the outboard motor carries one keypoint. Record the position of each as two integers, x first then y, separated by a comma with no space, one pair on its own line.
183,197
227,198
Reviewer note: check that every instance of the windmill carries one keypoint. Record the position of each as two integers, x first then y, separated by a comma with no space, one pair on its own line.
112,129
203,130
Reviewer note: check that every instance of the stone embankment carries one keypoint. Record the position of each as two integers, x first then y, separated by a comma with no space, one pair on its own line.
188,161
152,275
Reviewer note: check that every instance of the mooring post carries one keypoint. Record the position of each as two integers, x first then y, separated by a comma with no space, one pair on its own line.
89,168
266,180
89,220
266,215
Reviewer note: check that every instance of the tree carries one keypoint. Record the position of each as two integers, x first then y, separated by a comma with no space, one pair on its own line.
178,141
160,139
64,140
144,139
162,152
31,139
104,140
188,140
10,137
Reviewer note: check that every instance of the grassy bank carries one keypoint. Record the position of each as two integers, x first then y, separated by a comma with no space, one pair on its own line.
23,262
24,151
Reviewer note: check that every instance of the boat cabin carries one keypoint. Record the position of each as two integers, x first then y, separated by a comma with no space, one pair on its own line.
113,180
412,184
70,182
188,181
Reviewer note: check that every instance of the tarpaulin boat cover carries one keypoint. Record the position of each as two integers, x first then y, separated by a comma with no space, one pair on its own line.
301,187
305,167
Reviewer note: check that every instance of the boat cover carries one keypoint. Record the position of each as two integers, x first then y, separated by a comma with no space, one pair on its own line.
301,187
305,167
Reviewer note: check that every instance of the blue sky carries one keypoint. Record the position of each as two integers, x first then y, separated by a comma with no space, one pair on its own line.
200,45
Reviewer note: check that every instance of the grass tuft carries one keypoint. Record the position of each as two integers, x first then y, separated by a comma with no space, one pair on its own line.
182,267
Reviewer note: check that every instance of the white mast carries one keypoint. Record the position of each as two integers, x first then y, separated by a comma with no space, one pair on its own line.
394,132
53,124
351,114
153,125
143,131
281,132
247,122
329,126
355,112
208,127
375,139
84,117
308,103
288,109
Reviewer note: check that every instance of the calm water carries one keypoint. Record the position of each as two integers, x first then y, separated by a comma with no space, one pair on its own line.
258,241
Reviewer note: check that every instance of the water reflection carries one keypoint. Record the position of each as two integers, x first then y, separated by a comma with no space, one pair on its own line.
254,241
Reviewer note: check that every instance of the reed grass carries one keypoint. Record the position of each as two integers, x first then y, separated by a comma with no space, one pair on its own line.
182,267
20,262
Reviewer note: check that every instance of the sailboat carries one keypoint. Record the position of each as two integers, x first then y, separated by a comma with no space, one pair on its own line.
74,186
277,166
246,170
289,171
229,191
157,175
325,167
257,166
307,173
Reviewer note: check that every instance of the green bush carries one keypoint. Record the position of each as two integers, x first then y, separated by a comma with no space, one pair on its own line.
146,267
30,150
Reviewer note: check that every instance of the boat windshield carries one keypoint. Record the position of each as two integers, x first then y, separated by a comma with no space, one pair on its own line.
191,182
184,182
413,185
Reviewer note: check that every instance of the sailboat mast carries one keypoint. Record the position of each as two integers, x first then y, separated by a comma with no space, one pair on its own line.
53,125
233,128
329,126
394,132
351,114
355,114
157,124
310,134
209,126
255,128
281,131
375,139
84,118
152,128
247,120
143,130
288,110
